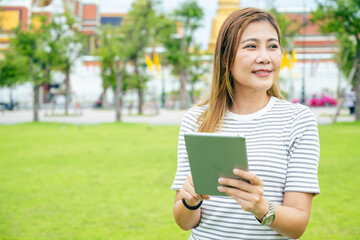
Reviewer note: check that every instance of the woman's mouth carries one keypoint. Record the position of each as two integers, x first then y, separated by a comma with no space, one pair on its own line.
262,72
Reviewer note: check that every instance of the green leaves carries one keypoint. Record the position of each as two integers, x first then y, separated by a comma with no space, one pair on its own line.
12,70
109,53
341,17
136,26
188,17
189,14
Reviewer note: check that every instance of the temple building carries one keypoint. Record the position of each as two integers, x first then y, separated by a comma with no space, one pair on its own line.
20,13
226,7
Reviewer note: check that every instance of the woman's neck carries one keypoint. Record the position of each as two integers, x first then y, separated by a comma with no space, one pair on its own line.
249,103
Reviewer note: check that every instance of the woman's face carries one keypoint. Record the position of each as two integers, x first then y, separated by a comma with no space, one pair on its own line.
258,58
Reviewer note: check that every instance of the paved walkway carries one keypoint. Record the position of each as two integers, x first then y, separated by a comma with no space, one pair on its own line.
165,117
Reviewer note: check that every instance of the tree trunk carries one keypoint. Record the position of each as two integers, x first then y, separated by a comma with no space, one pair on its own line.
36,102
67,91
357,92
36,90
118,96
139,88
183,70
357,81
104,102
338,109
182,90
141,100
11,94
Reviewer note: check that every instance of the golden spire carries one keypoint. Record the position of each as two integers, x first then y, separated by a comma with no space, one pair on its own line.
226,7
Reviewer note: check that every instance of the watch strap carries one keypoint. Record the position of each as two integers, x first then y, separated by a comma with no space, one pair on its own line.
268,214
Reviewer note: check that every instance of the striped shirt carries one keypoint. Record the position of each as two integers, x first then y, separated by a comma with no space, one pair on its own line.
283,150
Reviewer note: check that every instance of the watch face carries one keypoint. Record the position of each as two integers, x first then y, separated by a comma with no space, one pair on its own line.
269,219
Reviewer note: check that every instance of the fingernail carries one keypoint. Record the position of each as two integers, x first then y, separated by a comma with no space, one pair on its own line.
221,180
220,188
236,171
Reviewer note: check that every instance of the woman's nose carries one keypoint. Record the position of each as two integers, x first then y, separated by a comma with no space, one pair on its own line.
263,57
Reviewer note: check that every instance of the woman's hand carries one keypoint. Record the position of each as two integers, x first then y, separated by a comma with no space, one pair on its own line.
248,195
184,217
187,192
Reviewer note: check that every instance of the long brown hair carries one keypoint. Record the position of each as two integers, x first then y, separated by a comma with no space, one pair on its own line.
222,92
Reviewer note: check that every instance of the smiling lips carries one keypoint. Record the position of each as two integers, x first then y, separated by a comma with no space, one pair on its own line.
262,72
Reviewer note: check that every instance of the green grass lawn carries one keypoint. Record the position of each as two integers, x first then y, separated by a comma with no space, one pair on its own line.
112,181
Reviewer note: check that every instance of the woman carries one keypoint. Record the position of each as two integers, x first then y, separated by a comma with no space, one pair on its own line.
281,137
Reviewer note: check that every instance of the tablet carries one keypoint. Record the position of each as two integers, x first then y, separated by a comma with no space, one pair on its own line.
214,155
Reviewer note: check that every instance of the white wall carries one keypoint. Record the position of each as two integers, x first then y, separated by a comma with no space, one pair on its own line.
319,77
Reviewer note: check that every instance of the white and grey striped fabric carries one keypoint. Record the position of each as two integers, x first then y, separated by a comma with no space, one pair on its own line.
283,150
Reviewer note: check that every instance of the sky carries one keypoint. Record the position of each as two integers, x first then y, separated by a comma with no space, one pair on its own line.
202,35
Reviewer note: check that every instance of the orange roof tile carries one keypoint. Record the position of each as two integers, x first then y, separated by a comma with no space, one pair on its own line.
89,11
310,29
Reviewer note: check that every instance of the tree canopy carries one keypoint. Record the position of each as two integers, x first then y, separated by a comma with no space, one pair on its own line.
342,17
188,16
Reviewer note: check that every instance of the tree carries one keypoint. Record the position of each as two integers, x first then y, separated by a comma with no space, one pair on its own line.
342,18
345,59
136,28
33,44
67,45
189,14
113,62
197,70
12,70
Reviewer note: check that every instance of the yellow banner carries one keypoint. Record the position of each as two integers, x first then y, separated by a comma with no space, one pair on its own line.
157,62
148,62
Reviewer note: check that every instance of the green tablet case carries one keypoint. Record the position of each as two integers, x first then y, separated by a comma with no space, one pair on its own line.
214,155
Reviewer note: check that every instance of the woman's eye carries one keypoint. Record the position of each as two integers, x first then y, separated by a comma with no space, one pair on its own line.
250,46
274,46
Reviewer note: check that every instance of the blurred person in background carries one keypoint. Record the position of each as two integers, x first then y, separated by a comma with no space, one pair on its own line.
350,100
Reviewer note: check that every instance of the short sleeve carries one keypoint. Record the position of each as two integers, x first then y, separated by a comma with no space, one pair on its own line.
188,124
304,153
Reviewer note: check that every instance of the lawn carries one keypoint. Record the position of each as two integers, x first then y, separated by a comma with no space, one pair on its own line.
112,181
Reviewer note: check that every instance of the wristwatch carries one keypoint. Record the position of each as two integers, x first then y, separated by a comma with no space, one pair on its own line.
269,217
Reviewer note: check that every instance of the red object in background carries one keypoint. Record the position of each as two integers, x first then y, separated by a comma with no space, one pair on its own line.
322,100
319,100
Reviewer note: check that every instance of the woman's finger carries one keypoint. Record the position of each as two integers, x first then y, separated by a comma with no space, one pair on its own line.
189,178
248,201
207,197
190,189
187,196
229,191
198,196
252,177
236,183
